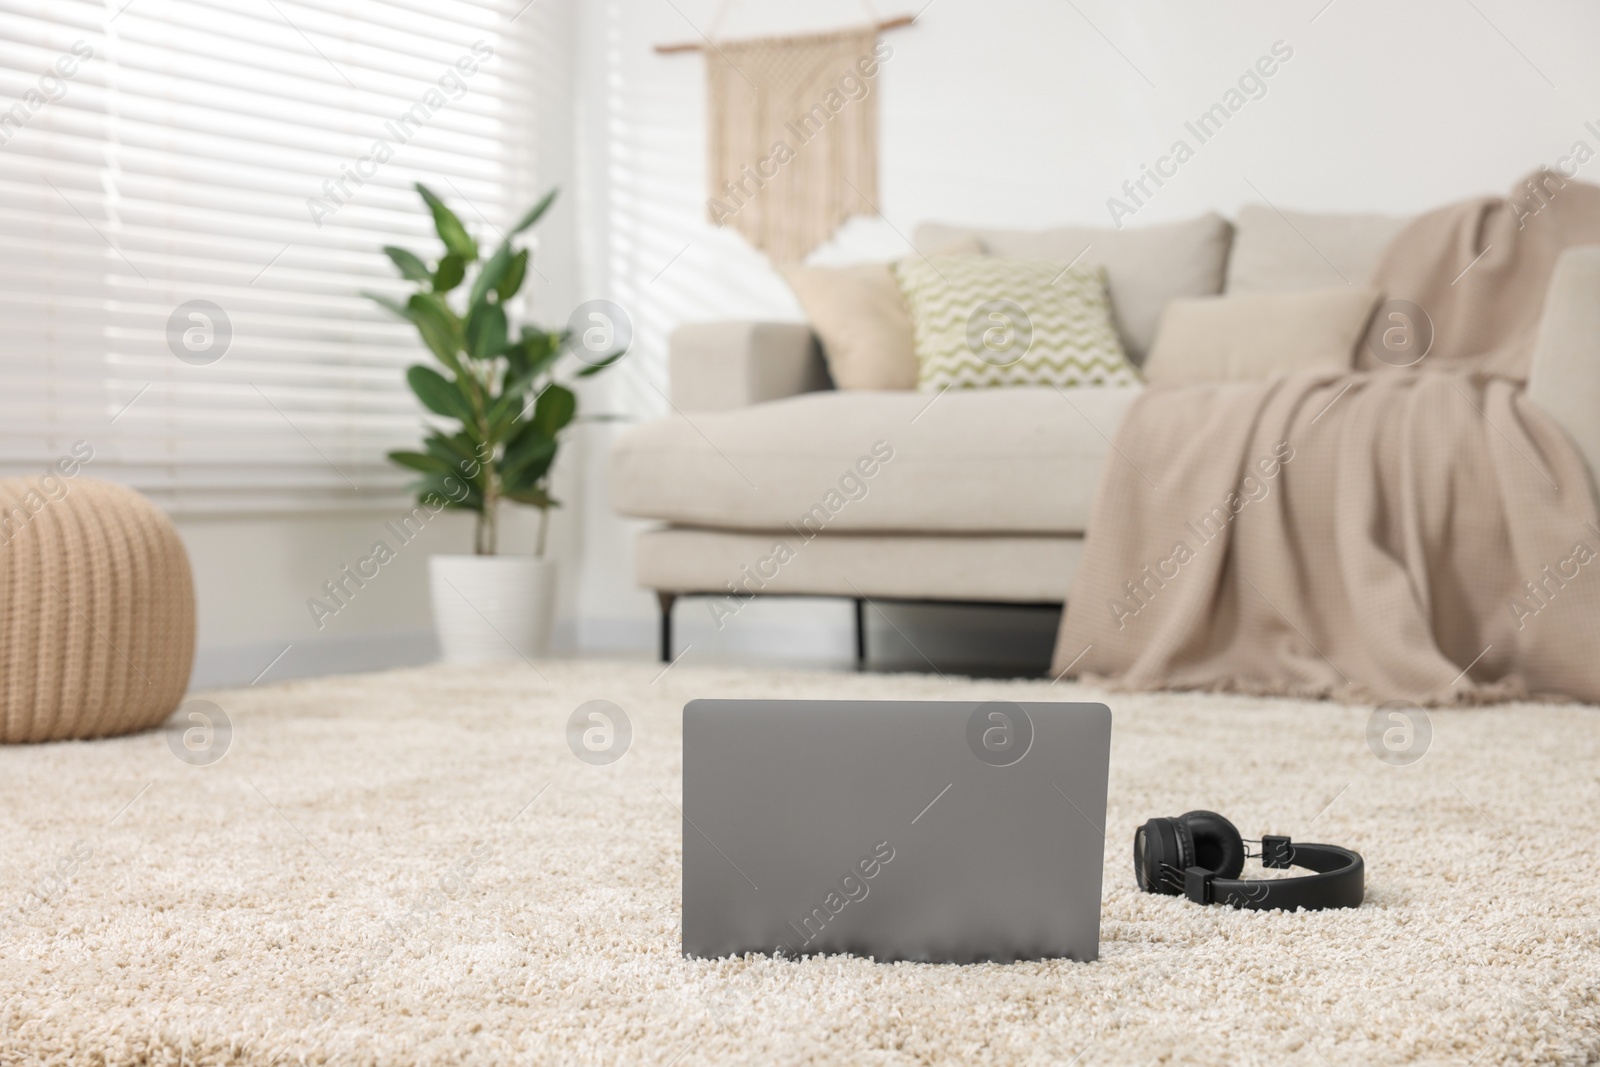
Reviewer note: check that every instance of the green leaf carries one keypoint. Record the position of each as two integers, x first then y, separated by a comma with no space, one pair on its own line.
434,307
489,274
440,395
524,467
458,458
524,441
419,461
513,277
508,406
455,492
434,322
388,302
524,432
455,451
451,232
535,212
537,497
486,331
535,351
452,268
502,417
438,325
554,409
596,368
517,385
411,268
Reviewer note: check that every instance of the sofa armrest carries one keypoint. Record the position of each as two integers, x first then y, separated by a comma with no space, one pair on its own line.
714,366
1565,377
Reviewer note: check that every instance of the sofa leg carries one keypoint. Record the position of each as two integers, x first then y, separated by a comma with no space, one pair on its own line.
861,633
666,600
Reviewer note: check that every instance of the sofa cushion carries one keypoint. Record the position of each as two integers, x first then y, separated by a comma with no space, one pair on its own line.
1253,336
862,320
991,321
1146,266
1279,251
713,366
1019,460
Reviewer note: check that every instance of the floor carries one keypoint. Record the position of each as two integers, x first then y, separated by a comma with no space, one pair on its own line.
412,867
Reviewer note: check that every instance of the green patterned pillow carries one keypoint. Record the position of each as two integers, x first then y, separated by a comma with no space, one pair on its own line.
984,320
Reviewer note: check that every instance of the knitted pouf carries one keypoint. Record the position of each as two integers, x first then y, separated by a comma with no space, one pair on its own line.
96,610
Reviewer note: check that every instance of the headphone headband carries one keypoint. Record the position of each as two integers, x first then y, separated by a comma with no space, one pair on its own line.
1340,882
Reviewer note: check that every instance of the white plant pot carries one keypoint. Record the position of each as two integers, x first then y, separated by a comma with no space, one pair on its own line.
492,607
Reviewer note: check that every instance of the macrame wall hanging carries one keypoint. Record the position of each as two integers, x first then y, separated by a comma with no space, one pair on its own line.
792,133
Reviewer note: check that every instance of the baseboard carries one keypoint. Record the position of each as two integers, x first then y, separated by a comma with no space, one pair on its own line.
223,666
778,630
822,631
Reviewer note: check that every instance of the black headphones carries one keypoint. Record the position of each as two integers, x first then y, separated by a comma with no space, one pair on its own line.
1200,855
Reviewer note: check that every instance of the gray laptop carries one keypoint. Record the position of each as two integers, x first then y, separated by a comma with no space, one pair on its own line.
951,831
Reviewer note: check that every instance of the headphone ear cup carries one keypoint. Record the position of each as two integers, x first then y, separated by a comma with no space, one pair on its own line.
1156,856
1215,843
1185,842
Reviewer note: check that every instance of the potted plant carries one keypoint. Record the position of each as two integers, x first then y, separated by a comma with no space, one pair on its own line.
501,411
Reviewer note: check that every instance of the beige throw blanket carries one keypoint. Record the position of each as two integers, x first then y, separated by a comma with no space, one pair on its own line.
1421,534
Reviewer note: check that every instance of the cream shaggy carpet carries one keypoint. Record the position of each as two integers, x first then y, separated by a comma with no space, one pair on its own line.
414,868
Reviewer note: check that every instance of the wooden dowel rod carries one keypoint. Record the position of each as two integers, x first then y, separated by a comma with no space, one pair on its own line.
699,46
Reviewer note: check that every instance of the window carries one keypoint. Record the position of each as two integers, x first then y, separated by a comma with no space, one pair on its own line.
193,196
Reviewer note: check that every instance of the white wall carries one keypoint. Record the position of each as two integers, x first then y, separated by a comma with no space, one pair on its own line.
254,576
1018,112
1027,112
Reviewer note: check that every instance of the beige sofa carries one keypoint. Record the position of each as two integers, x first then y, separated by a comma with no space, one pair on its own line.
767,481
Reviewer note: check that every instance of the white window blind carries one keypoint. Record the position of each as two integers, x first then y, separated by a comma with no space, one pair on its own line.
252,155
